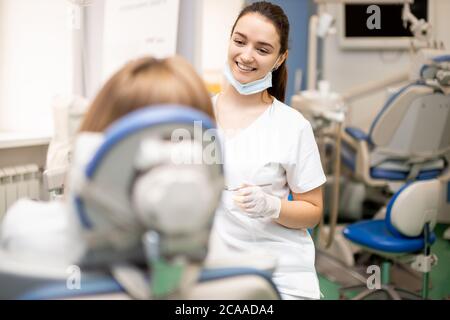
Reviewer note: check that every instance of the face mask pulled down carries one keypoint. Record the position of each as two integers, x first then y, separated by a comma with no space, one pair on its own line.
251,87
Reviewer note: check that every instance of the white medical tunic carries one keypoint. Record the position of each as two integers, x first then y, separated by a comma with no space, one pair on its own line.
277,148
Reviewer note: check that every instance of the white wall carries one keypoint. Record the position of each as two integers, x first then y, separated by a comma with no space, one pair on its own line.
190,25
35,62
442,21
36,53
203,34
345,69
2,28
217,19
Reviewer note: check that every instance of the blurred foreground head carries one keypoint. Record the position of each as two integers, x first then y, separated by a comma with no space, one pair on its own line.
144,82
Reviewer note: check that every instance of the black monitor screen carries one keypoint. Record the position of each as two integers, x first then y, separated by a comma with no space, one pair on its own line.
391,24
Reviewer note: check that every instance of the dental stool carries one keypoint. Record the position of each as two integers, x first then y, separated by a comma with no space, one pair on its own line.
405,235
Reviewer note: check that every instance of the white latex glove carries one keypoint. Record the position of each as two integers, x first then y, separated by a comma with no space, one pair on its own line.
257,203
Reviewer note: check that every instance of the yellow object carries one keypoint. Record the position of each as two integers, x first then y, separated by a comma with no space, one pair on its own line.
213,88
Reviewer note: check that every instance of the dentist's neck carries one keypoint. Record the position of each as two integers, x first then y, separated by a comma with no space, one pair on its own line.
232,95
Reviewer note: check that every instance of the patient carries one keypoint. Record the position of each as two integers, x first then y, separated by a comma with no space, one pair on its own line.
48,231
144,82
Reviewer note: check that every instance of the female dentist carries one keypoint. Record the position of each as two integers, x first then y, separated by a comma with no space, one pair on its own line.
269,152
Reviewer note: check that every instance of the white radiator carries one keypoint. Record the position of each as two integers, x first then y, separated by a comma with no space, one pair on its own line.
18,182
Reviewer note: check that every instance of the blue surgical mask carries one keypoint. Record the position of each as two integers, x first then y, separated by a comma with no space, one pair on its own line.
251,87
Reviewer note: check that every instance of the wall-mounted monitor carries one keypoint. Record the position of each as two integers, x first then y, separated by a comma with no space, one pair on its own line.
389,33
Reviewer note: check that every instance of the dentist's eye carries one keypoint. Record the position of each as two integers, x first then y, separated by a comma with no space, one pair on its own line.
263,51
239,42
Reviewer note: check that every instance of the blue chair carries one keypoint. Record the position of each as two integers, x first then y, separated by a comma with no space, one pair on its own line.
405,232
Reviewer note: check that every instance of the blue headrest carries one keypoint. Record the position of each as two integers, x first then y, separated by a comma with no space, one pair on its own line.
144,118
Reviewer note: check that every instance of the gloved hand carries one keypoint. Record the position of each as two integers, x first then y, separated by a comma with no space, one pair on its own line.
257,203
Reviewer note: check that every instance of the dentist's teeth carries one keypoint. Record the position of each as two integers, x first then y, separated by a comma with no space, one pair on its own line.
244,68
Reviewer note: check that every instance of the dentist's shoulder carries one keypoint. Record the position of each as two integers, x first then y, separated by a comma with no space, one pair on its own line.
288,116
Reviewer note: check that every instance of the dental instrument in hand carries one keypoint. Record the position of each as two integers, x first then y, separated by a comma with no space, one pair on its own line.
228,188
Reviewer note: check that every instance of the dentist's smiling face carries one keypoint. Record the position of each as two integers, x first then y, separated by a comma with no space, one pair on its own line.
254,48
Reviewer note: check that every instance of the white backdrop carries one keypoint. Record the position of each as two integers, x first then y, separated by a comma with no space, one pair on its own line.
133,28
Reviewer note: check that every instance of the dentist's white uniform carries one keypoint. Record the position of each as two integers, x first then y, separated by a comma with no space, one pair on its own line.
277,148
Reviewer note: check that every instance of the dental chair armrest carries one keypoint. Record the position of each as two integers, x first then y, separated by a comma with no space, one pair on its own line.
357,133
361,147
350,140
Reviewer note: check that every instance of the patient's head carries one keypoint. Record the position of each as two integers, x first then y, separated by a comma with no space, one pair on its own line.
143,82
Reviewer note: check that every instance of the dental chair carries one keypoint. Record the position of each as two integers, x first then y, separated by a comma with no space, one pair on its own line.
409,138
405,235
143,196
407,143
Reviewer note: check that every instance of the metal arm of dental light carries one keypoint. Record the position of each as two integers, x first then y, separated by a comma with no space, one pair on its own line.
374,86
419,28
